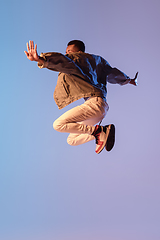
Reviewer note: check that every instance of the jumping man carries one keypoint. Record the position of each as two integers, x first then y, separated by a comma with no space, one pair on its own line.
81,75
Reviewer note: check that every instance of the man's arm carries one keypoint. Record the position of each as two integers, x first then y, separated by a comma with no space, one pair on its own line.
32,54
53,61
117,76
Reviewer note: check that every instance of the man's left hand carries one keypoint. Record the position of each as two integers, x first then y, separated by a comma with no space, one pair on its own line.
134,80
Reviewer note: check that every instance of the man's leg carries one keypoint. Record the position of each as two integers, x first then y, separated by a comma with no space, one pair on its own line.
74,121
77,139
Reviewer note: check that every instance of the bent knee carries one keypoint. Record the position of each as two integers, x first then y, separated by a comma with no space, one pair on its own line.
56,125
71,141
60,126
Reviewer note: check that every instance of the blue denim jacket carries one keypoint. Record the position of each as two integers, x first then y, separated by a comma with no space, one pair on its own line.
82,75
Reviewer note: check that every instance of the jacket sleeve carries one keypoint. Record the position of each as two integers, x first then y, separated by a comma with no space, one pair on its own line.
116,76
60,63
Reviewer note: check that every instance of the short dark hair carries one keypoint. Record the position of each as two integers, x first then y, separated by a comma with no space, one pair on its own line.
78,43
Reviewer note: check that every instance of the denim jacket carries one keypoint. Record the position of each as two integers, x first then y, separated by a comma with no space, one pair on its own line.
81,75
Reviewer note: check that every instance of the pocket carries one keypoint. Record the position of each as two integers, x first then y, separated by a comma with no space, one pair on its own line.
66,88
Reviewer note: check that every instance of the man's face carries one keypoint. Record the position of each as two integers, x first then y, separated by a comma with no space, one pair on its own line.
71,48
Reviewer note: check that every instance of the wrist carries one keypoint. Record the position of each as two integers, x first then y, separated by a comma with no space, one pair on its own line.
40,60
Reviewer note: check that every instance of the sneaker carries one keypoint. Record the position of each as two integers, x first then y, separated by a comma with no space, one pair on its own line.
101,134
111,138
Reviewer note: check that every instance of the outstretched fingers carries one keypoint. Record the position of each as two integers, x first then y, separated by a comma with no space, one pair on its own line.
136,76
28,47
27,54
28,50
31,45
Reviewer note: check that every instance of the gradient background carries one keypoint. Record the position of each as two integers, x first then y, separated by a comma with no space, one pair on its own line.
48,189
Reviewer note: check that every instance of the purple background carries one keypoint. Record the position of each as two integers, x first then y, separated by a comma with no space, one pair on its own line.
48,189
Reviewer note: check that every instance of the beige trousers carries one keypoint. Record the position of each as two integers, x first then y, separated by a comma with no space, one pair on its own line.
80,120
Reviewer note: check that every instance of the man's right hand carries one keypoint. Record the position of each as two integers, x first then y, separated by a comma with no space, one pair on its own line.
32,52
